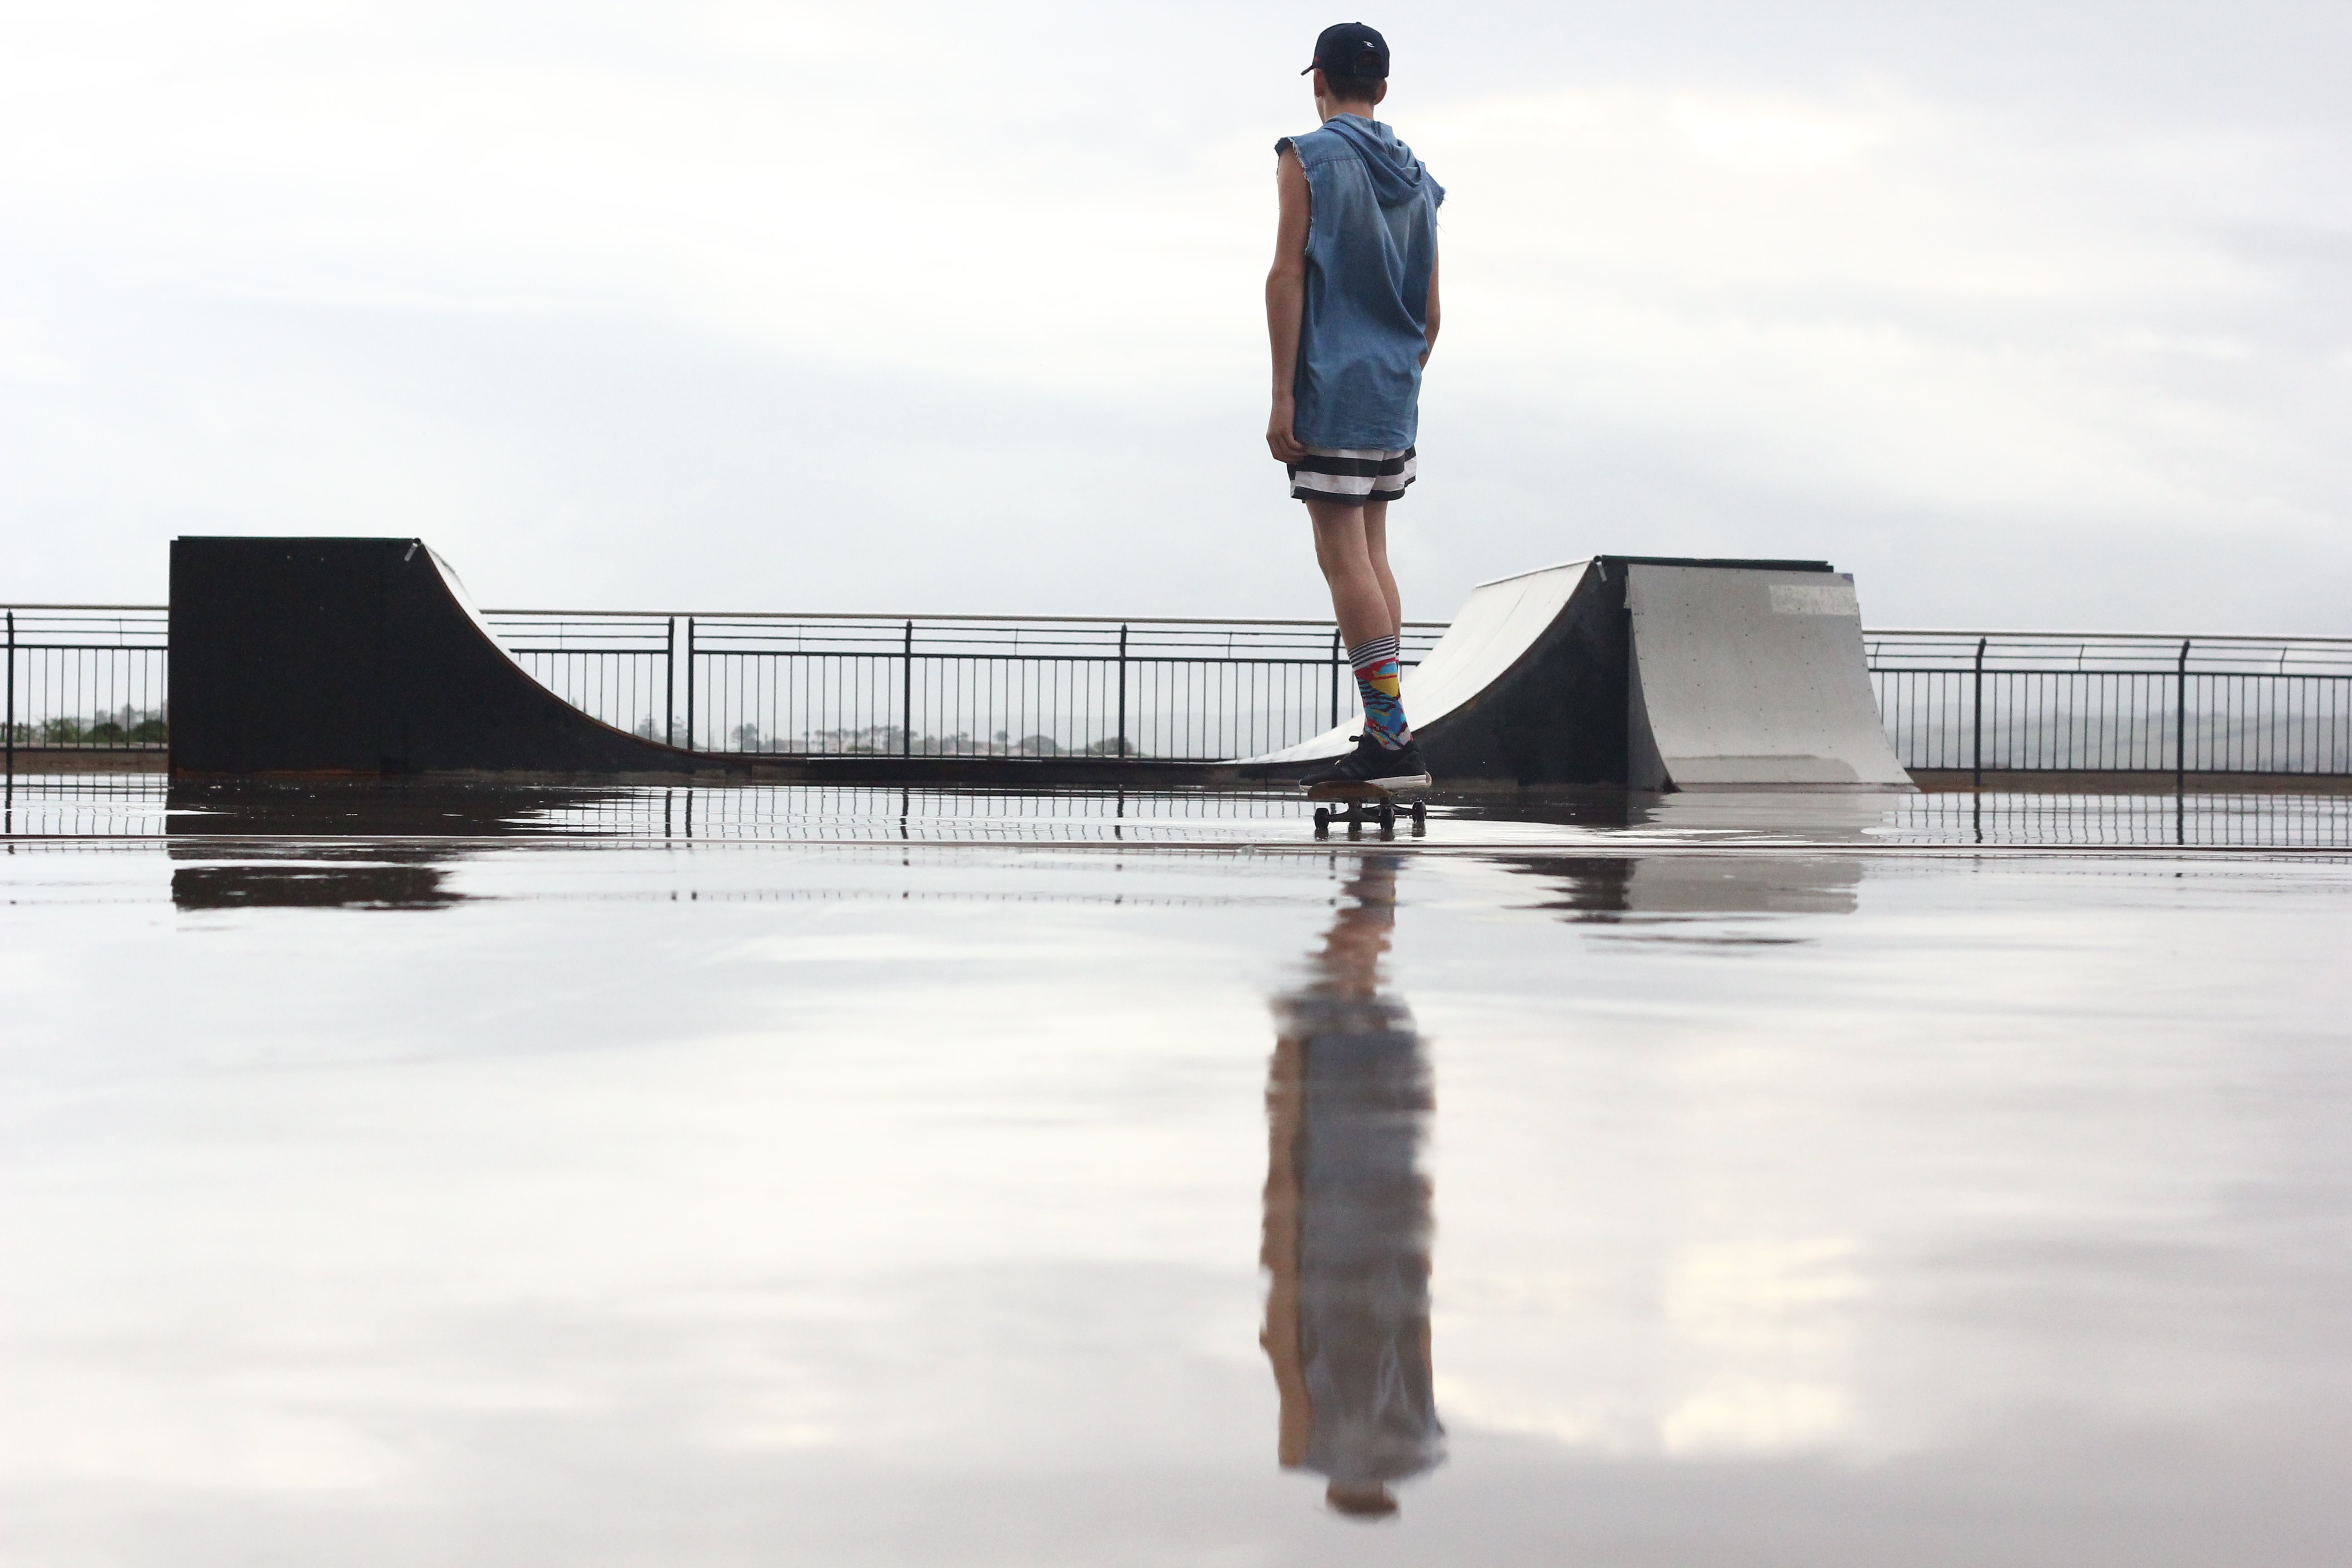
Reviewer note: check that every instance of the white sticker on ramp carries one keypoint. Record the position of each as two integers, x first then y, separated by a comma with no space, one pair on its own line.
1812,599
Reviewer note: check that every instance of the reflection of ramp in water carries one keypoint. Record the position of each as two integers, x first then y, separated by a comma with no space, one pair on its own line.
1661,674
1607,887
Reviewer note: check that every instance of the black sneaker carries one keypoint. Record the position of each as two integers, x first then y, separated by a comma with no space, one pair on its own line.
1375,766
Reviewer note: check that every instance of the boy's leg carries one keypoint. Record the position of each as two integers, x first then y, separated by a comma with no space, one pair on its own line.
1358,598
1362,598
1376,549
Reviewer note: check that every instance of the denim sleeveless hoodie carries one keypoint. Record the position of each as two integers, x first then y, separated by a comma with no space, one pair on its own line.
1372,243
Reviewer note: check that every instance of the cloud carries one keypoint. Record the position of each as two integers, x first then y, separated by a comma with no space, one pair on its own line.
670,306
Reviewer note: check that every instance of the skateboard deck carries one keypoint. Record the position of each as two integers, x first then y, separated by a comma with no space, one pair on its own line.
1351,790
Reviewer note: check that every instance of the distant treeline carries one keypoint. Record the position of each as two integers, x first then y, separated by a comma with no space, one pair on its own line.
126,726
889,740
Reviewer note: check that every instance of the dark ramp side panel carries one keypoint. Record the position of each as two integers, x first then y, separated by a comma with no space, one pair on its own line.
1557,714
354,656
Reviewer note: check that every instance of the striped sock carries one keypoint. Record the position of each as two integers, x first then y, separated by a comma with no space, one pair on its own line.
1379,682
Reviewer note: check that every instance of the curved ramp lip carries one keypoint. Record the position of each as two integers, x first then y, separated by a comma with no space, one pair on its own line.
456,587
1530,572
1465,665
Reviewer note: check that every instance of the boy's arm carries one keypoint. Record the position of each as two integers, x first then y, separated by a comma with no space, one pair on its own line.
1286,303
1429,334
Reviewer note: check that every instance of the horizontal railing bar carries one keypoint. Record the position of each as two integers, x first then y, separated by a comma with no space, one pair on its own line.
1322,628
901,616
2161,771
1040,654
2118,662
1080,752
892,646
919,655
976,656
950,629
2109,672
2175,638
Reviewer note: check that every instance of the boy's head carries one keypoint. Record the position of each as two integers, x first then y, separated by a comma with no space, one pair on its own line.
1350,65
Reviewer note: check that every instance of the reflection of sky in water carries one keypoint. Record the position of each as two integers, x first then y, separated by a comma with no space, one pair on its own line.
875,1203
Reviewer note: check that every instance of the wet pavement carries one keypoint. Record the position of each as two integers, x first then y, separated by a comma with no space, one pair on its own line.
460,1176
134,806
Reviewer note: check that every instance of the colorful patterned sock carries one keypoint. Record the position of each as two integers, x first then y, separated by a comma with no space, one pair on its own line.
1378,683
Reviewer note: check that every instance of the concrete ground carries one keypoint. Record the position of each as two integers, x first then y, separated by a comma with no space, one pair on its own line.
451,1175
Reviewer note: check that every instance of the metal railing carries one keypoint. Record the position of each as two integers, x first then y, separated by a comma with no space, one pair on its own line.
2114,702
2221,819
83,678
93,677
933,686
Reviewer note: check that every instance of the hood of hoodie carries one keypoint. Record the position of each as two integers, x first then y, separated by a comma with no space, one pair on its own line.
1397,174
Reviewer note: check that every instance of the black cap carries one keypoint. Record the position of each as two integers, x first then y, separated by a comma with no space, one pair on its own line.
1351,48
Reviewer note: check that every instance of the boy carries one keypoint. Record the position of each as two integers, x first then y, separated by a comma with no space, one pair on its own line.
1352,312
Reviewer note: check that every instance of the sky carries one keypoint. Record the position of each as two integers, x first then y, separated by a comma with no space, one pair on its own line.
2031,315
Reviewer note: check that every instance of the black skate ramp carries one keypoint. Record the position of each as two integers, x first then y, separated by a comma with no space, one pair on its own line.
360,655
363,657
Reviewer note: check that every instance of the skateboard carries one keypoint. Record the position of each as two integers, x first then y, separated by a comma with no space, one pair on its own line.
1363,803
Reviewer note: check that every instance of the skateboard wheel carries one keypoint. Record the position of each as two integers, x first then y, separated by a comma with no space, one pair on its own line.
1322,820
1419,812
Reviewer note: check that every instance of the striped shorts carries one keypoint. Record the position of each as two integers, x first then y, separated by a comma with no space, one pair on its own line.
1351,478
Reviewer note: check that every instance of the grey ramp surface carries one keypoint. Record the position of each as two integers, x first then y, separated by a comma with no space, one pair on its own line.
1743,677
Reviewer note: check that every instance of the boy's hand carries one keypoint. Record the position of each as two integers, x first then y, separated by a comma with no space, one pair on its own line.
1279,438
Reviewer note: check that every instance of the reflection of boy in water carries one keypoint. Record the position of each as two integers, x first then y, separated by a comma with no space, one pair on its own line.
1348,1218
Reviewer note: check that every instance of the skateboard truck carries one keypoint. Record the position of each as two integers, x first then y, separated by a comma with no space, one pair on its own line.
1376,808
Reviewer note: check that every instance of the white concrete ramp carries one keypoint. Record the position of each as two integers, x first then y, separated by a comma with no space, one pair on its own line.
1743,677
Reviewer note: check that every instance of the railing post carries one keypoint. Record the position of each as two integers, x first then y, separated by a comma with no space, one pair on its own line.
12,700
669,688
2180,720
1976,713
1338,654
690,705
906,695
1122,691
